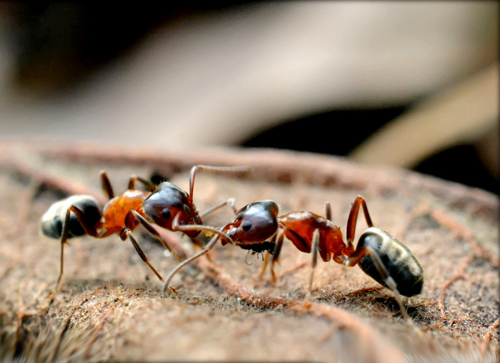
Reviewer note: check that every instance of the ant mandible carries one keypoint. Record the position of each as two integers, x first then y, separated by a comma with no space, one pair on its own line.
378,253
81,214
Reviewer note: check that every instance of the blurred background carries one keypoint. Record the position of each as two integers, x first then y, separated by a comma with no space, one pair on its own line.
410,84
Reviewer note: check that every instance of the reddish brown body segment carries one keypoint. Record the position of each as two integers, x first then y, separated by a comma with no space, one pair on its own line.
299,228
116,210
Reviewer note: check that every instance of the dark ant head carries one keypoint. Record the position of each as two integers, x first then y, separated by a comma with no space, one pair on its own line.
166,203
53,219
254,223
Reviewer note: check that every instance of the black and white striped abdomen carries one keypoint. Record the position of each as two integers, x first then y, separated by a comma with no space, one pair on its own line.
53,219
398,260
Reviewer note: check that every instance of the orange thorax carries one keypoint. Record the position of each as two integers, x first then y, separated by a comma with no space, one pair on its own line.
115,211
300,226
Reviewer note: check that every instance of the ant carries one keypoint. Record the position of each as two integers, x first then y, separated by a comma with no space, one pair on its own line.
167,205
81,215
379,254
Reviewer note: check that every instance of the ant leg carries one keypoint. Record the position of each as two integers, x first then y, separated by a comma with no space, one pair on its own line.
149,186
230,202
127,233
353,216
276,254
90,230
214,169
106,185
196,242
266,259
314,259
208,247
134,215
328,211
197,227
264,265
361,251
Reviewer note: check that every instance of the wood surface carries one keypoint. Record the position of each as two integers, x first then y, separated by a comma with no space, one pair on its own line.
110,306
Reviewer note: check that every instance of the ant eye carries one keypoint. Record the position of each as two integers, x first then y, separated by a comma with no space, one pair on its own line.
166,214
246,226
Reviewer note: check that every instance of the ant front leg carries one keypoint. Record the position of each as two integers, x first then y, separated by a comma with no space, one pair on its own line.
264,265
276,254
89,230
126,232
230,203
196,227
266,258
208,247
134,216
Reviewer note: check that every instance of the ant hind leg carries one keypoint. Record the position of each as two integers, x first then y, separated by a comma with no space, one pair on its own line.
89,230
388,280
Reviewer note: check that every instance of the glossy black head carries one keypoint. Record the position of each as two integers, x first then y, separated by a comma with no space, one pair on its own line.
166,203
53,219
396,258
254,223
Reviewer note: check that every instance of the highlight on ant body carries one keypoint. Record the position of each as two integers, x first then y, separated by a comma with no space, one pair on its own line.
258,228
81,215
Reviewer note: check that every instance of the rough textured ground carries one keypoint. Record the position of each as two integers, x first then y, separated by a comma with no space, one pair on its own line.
110,305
